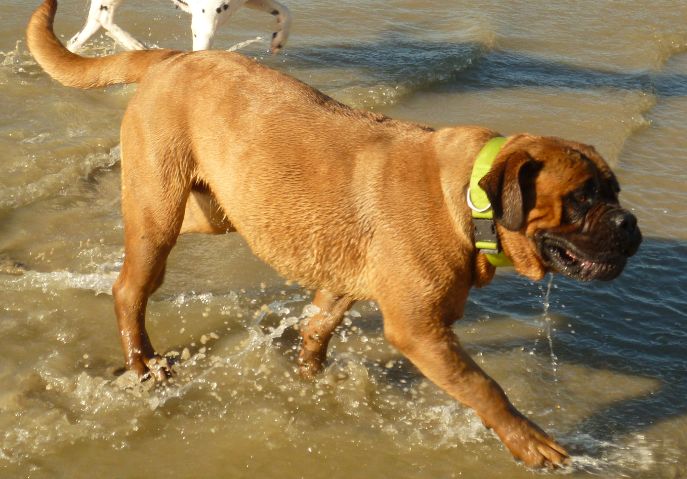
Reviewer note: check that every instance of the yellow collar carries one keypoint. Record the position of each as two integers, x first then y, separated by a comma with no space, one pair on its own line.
486,237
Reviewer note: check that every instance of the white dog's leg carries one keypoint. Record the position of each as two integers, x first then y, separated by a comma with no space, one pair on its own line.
207,16
101,14
89,29
106,19
283,15
123,37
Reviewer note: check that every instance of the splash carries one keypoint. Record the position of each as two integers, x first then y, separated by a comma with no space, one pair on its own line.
19,60
604,458
258,338
99,283
549,331
241,45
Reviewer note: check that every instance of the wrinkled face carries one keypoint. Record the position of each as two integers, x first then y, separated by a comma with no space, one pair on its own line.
595,235
557,206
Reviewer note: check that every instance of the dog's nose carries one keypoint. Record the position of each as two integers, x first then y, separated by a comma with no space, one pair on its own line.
625,221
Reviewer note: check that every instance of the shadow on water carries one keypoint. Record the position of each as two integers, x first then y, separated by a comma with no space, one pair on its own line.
639,329
500,69
634,325
472,65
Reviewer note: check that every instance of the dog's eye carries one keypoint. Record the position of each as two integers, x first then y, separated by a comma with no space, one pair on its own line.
583,197
578,203
587,195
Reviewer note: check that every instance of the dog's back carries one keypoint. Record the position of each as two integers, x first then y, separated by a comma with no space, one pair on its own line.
257,137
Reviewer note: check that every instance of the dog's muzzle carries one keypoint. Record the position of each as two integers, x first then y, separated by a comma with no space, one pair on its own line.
598,251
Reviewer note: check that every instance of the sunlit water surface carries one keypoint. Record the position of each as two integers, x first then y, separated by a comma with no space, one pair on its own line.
601,366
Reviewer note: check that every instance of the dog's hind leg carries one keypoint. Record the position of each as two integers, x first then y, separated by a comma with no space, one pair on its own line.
203,214
281,35
317,330
146,248
155,188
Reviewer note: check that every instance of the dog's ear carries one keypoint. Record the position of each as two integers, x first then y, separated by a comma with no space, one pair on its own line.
509,185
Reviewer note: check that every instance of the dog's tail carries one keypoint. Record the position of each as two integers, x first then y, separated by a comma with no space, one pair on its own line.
84,72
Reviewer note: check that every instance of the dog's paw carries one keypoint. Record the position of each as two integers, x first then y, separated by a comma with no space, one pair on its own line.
281,34
158,368
278,41
528,443
309,364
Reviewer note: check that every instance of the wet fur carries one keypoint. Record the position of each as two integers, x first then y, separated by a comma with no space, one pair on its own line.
351,203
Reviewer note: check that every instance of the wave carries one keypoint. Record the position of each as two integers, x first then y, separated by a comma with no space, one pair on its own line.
381,73
51,183
370,74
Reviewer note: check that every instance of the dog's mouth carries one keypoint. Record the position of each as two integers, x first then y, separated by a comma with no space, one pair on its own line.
573,260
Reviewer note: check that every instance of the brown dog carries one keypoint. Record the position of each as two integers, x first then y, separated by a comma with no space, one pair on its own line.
351,203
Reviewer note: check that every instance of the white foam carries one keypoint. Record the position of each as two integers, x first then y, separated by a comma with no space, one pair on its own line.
99,283
606,458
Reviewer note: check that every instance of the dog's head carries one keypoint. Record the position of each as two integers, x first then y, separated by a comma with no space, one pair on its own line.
556,207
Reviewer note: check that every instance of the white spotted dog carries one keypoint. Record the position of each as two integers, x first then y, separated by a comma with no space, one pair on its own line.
206,17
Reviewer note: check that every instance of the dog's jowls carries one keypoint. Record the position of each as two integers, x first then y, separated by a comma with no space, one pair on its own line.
350,203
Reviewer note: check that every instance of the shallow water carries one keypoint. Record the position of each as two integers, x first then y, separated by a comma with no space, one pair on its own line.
601,366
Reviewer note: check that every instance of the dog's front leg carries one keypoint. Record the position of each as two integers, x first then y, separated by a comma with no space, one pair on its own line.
283,15
123,37
106,19
430,344
89,29
101,14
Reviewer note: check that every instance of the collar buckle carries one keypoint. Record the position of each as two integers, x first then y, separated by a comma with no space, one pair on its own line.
486,238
